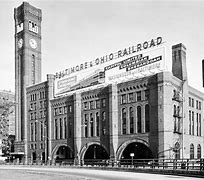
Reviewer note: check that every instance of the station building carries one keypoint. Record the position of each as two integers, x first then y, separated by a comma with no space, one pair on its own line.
157,115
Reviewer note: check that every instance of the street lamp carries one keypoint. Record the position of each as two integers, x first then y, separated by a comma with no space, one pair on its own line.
94,152
132,155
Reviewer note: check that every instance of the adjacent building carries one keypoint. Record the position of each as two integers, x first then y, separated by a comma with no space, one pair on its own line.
119,105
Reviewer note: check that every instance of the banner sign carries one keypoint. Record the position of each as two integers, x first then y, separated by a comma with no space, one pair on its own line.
114,70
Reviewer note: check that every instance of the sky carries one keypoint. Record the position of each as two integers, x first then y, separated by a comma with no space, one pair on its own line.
75,31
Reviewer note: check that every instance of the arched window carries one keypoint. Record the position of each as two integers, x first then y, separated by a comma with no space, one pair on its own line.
199,151
189,122
91,124
61,131
178,110
147,118
191,151
97,124
124,121
131,115
85,125
192,123
139,120
174,110
56,129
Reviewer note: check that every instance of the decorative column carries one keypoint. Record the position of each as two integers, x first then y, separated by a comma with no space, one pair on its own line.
113,120
77,127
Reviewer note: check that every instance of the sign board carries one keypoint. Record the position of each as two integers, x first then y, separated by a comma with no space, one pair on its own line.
126,65
132,154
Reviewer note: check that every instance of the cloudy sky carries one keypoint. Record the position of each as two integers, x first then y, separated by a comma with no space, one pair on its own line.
80,30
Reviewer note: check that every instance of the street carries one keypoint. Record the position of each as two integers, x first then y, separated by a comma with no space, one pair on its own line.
36,173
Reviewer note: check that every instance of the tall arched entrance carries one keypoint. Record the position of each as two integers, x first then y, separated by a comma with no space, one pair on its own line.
95,151
136,150
63,153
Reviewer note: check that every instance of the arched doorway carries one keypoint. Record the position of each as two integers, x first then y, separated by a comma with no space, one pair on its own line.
63,154
43,157
136,150
34,157
94,153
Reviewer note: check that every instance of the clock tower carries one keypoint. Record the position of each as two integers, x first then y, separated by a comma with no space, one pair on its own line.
27,63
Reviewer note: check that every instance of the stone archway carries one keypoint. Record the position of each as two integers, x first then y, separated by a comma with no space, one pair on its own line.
94,150
62,152
139,147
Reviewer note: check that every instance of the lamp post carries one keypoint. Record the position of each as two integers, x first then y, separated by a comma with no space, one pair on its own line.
132,156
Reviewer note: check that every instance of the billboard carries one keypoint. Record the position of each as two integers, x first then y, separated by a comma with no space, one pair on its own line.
117,67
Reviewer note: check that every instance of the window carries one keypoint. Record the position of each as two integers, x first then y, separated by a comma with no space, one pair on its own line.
196,104
55,112
192,102
56,129
123,99
174,110
191,151
138,94
85,125
178,111
97,124
131,120
198,151
31,131
190,122
41,131
139,120
61,131
189,101
35,131
91,105
199,105
32,27
130,97
147,118
85,105
97,104
31,106
65,109
146,94
60,110
197,124
91,125
104,102
123,121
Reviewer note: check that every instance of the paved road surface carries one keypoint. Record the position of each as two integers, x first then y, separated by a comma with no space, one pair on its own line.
31,173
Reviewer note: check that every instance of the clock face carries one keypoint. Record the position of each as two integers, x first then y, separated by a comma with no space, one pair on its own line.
33,43
20,43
